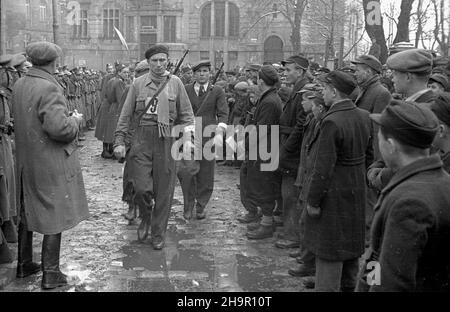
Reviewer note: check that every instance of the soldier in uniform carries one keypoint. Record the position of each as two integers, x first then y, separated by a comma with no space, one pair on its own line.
51,188
210,108
7,178
154,175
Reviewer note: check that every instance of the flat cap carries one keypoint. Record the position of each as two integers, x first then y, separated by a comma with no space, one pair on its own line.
241,86
43,53
370,61
17,59
412,61
253,67
142,66
156,49
269,75
5,59
441,79
200,65
409,123
297,59
185,69
310,87
441,108
340,80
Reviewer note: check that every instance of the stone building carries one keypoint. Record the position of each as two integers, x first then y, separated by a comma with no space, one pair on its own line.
236,32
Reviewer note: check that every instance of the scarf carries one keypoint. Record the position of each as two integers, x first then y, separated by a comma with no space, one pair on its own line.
163,104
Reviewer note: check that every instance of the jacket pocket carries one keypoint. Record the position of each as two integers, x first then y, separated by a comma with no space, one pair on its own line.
70,161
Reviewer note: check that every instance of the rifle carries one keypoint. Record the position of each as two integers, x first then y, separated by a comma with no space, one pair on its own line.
176,70
218,73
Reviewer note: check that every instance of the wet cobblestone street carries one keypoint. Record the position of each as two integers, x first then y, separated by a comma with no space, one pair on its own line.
103,254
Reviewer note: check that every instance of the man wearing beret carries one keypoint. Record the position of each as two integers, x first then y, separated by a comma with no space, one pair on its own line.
153,168
51,188
336,189
373,97
260,187
292,123
8,229
411,226
210,108
441,144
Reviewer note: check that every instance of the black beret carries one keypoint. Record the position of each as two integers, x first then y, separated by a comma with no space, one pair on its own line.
409,123
43,53
340,80
269,75
297,59
441,108
156,49
370,61
200,65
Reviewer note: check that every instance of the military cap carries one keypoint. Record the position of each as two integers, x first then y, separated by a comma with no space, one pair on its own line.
142,66
412,61
297,59
5,59
241,86
17,60
269,75
201,64
253,67
156,49
339,80
370,61
409,122
43,53
441,108
441,79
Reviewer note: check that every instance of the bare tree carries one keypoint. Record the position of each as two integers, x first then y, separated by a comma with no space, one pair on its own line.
403,21
439,31
374,26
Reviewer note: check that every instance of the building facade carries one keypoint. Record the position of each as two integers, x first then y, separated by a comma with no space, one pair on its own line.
236,32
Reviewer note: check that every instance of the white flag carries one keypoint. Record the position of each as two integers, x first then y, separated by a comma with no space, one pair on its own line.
122,39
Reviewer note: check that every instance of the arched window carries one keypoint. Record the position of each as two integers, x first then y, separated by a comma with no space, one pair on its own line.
219,16
205,21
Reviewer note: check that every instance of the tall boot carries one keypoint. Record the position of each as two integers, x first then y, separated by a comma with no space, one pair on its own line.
10,231
25,264
52,276
5,253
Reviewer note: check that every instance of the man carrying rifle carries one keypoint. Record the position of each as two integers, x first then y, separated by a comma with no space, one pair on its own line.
210,107
156,101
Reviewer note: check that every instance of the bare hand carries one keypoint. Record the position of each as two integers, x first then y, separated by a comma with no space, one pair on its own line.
120,152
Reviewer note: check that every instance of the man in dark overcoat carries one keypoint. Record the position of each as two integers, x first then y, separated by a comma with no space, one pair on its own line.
50,182
336,188
441,144
411,226
210,108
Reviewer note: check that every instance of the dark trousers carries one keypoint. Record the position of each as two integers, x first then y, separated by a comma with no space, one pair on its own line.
372,197
152,174
198,187
308,258
335,276
291,213
259,188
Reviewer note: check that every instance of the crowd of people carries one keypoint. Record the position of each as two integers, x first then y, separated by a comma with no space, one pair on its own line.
362,154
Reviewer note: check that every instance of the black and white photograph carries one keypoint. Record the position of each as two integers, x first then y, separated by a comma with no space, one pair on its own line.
224,151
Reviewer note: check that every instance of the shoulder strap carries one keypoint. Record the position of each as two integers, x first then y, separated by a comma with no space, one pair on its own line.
138,120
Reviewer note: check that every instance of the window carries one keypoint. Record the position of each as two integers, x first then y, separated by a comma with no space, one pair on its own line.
28,8
81,31
130,35
219,15
43,11
204,55
149,22
205,21
110,19
170,28
234,20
